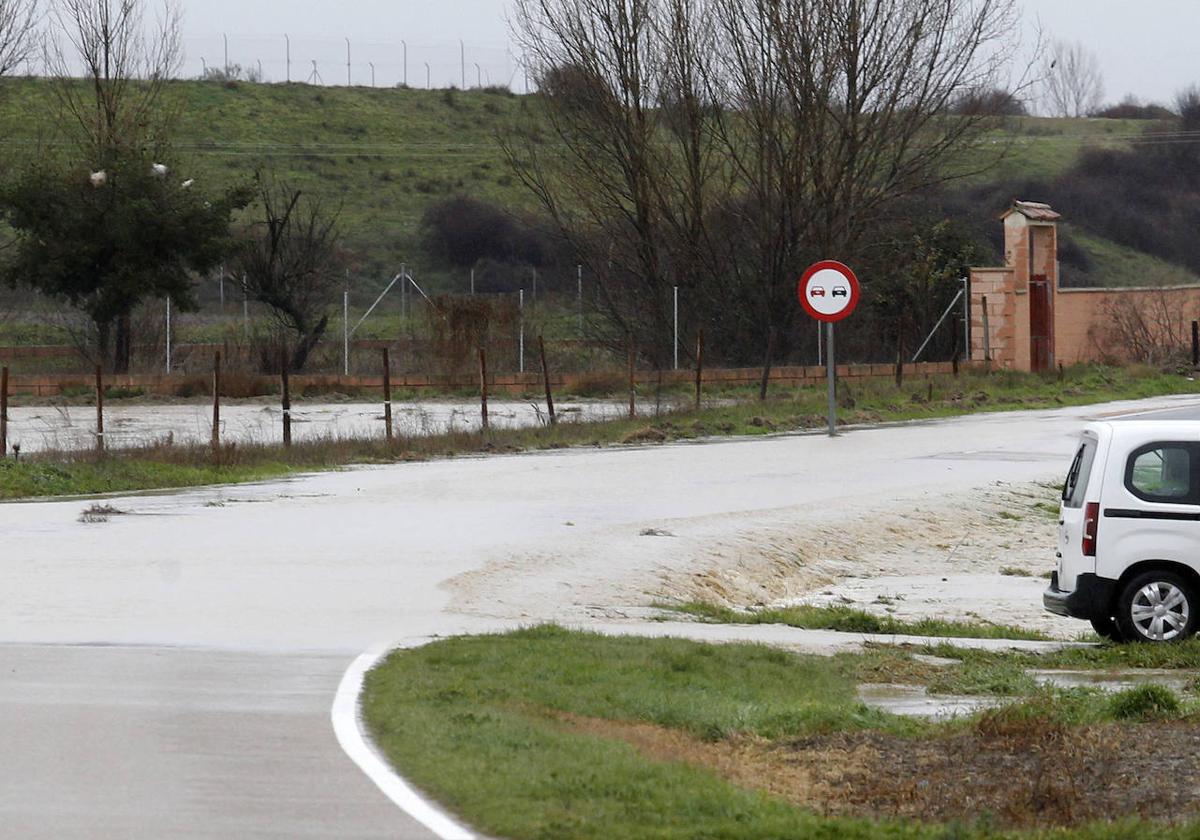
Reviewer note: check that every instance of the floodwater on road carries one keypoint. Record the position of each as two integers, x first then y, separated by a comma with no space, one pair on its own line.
37,428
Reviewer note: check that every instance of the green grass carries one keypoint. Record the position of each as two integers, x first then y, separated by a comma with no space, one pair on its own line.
472,720
849,620
484,725
730,412
1115,265
32,478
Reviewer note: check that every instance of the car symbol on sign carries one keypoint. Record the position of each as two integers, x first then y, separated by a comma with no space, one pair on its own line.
818,291
841,292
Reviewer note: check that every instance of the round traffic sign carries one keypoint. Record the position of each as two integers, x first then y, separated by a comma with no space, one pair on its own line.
829,291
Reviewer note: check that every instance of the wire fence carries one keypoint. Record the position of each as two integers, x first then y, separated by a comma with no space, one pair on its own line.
345,62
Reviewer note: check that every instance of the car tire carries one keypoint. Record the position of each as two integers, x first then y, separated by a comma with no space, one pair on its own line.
1107,628
1158,607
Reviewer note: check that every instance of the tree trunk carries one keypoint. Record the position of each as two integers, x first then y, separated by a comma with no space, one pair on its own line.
123,349
102,331
305,345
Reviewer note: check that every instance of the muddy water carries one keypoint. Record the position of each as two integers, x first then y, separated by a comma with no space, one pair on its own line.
36,428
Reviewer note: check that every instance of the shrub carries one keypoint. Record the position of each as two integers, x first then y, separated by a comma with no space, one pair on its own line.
1145,702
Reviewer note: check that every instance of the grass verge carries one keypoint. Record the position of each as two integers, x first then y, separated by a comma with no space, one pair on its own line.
848,620
729,413
546,733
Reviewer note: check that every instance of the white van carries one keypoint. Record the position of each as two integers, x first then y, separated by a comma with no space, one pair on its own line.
1129,532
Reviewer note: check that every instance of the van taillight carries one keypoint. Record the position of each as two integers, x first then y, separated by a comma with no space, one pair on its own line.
1091,519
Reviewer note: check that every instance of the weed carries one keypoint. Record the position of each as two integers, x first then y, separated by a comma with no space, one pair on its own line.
1014,571
1144,702
97,513
850,620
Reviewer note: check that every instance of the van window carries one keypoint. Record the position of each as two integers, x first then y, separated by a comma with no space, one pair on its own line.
1163,472
1075,487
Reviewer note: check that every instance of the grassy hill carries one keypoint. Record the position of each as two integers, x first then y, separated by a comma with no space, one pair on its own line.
382,154
385,154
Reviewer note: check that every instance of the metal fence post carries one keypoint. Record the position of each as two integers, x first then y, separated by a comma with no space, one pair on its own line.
521,332
699,366
1196,344
346,332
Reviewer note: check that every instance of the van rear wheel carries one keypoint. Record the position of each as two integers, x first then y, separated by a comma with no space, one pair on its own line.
1157,607
1107,628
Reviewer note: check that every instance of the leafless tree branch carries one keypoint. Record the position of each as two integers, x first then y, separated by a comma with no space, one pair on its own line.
125,63
18,30
1073,84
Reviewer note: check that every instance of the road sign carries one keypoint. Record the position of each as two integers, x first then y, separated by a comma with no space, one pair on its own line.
829,291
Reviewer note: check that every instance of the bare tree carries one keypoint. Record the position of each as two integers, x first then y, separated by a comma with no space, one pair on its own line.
1072,82
18,25
291,259
718,145
126,65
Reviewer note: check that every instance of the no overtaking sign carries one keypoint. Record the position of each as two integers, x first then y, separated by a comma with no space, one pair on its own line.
829,292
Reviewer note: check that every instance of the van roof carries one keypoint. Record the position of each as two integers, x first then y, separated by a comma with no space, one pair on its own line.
1131,431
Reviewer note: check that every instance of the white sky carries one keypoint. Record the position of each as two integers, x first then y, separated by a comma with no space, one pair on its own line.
1145,47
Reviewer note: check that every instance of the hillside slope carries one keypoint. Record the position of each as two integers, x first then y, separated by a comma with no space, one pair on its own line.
384,155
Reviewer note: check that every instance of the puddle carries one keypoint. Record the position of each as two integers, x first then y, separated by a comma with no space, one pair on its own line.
915,701
1114,681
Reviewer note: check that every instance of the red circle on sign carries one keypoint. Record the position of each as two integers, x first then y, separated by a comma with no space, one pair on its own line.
829,291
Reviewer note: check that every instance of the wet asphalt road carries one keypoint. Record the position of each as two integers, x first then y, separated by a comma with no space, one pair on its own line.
125,742
1191,412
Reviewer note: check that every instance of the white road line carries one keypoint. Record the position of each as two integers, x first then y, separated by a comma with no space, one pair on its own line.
347,726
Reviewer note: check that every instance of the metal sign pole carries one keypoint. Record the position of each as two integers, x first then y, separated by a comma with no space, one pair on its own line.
832,376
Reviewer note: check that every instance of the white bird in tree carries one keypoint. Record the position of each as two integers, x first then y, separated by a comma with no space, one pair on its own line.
99,179
187,183
159,170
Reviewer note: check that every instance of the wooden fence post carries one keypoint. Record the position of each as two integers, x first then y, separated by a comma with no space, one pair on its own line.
287,404
99,409
387,393
632,381
216,417
4,412
699,366
483,387
766,374
546,379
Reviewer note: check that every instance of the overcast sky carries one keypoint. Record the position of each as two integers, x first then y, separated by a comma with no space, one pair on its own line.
1146,48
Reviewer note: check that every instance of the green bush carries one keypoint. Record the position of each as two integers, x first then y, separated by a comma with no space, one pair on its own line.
1145,702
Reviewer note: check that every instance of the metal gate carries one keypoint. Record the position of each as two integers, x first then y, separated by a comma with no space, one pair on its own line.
1041,324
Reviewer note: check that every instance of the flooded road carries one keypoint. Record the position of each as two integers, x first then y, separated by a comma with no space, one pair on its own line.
179,650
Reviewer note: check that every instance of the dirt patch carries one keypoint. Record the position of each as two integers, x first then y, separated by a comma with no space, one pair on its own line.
1022,774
